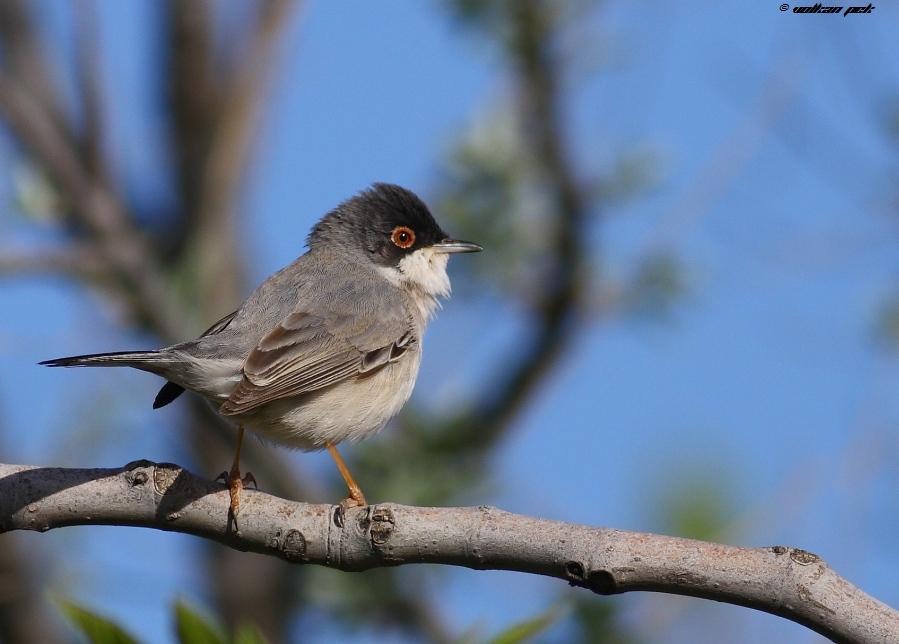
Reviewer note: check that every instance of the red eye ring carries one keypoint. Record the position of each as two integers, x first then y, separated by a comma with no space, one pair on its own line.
403,237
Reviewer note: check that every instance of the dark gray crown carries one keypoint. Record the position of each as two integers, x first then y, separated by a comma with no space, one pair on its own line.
366,222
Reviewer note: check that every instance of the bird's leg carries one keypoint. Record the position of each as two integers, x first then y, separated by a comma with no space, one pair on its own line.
234,481
355,499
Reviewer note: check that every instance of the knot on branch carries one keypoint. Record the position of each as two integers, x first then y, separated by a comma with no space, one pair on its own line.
292,545
167,478
802,557
136,472
600,582
382,523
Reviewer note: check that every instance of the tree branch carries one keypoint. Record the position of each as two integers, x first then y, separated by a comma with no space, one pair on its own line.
92,138
80,261
236,116
26,60
561,294
788,582
129,256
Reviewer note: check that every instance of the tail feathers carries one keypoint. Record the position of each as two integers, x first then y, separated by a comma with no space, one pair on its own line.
167,394
157,362
144,360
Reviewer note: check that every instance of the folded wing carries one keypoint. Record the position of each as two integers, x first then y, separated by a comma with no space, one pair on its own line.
306,352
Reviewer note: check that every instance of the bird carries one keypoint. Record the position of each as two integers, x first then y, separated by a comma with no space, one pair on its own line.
328,348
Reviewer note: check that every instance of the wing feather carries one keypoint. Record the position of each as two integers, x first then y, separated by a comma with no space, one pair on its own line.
305,353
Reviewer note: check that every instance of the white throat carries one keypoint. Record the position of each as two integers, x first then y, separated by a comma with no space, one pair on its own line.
423,273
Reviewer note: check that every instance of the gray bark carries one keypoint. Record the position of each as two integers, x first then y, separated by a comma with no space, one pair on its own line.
788,582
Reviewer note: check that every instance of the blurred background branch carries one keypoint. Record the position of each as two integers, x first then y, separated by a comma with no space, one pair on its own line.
163,245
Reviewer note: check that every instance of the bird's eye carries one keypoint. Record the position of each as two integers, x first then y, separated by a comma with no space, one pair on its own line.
402,236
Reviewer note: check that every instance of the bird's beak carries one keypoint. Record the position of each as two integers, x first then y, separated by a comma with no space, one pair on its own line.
456,246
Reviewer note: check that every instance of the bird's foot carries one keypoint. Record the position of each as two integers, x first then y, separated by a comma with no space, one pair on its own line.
236,485
355,500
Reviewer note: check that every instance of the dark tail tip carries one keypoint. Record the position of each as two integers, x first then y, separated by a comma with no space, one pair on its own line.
58,362
167,394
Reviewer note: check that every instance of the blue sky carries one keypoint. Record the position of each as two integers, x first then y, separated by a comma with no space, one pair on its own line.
776,191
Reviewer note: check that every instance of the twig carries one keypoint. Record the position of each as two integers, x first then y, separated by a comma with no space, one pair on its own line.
129,257
83,262
90,90
562,295
788,582
237,116
25,59
192,95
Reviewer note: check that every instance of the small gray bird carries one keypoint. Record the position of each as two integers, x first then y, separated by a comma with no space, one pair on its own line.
326,349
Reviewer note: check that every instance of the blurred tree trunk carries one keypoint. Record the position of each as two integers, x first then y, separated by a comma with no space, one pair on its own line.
176,284
214,117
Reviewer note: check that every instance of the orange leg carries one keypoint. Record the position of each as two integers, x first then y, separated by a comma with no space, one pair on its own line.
356,498
233,479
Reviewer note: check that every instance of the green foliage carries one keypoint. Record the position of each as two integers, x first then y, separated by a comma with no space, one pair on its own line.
698,505
892,122
580,619
95,628
36,196
497,19
193,628
247,633
476,12
491,194
526,630
659,282
888,324
596,620
633,172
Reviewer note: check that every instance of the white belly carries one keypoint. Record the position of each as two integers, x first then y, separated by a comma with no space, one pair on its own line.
351,410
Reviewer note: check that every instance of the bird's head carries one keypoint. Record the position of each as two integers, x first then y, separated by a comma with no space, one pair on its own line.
392,228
